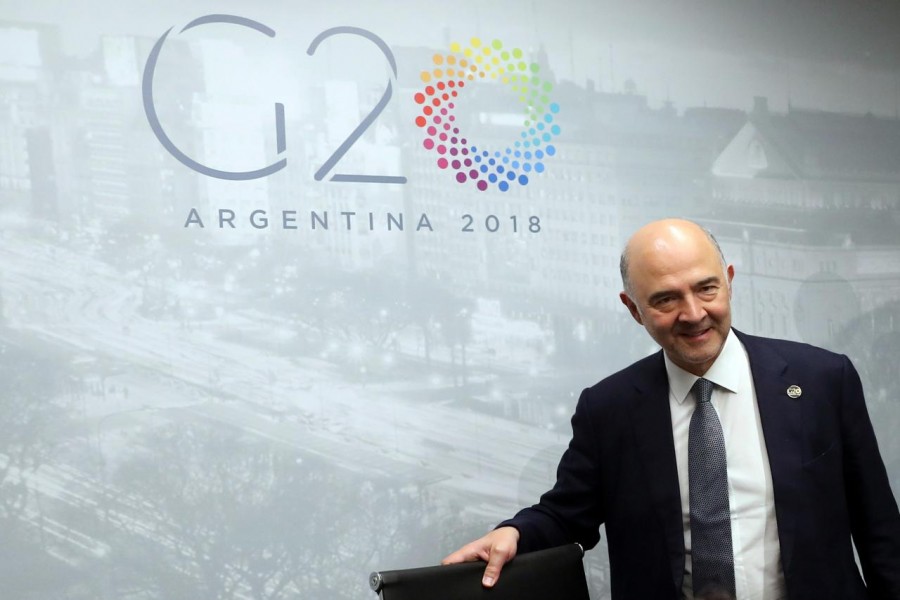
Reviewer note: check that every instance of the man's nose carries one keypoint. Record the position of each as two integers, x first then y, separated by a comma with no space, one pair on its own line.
692,310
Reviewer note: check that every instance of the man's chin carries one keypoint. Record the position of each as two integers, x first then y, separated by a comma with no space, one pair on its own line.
695,359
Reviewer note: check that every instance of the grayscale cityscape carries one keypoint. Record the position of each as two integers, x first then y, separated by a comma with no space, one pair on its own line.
266,389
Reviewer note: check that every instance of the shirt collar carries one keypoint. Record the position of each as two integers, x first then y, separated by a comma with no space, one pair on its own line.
725,371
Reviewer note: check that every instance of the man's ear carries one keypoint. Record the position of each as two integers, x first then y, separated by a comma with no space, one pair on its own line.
632,307
729,272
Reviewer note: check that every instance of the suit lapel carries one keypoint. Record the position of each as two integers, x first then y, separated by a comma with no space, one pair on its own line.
782,425
652,421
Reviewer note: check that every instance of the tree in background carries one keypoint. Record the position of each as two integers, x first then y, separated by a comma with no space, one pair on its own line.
34,414
226,514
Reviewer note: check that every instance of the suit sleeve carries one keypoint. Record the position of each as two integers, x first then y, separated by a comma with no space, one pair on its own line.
572,511
874,518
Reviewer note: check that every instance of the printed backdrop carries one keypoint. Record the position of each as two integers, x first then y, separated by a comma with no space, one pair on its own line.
294,291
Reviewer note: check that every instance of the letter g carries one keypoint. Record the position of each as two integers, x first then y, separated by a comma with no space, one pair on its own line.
150,108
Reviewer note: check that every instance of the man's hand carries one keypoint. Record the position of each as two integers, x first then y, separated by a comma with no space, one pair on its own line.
496,548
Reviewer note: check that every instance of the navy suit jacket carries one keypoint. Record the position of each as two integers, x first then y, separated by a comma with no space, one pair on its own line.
828,476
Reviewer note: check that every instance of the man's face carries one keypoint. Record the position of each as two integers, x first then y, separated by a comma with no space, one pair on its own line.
681,294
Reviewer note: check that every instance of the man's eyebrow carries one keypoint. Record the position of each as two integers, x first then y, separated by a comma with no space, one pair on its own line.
713,279
660,295
707,281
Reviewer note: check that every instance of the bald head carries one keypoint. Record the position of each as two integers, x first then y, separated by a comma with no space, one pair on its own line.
678,287
660,236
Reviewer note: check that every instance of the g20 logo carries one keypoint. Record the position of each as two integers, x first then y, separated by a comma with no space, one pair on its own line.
280,135
512,165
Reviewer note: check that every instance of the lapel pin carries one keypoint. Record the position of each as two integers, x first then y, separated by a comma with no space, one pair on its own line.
794,391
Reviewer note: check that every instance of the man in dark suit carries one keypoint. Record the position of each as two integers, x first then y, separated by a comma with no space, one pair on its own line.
724,466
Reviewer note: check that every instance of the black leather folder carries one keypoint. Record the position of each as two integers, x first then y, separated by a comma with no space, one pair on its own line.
554,574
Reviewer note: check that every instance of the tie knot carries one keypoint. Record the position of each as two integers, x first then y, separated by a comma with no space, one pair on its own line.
702,390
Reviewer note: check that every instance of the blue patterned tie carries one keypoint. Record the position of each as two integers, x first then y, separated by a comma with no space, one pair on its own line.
712,557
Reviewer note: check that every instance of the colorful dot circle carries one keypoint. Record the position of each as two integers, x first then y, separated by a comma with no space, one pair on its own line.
445,80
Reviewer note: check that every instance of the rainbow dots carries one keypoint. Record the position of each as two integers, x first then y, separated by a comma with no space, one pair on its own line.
445,80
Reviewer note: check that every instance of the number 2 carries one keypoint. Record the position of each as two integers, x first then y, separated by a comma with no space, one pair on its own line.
336,156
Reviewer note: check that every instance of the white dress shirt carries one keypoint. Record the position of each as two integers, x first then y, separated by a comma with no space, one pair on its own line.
754,533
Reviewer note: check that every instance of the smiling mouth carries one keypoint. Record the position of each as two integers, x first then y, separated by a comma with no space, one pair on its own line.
693,335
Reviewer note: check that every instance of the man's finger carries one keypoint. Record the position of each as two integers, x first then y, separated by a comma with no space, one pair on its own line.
461,555
477,550
500,555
